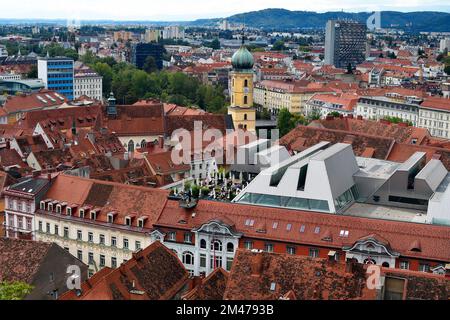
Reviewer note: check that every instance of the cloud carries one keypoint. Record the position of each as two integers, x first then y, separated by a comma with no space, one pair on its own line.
172,10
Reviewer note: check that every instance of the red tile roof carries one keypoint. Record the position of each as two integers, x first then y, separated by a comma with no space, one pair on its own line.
401,235
154,273
210,288
436,103
265,276
27,102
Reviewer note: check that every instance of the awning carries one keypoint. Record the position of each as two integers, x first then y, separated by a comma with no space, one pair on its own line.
331,253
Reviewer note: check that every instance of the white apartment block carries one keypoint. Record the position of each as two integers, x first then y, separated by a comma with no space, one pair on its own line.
377,108
88,85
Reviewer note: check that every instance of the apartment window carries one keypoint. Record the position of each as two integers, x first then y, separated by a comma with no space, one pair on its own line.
229,263
290,250
302,229
80,255
102,260
424,267
113,262
230,247
404,265
141,223
248,245
188,258
216,245
90,237
110,218
202,260
90,258
138,245
203,244
102,239
29,224
57,230
58,208
81,213
66,232
314,253
113,242
125,243
172,236
79,235
268,247
69,211
187,237
128,221
47,228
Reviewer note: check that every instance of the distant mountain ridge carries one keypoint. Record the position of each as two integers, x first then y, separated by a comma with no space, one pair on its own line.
286,19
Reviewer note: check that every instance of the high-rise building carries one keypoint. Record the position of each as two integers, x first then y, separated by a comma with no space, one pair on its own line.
173,32
152,35
140,52
57,74
444,44
345,43
241,90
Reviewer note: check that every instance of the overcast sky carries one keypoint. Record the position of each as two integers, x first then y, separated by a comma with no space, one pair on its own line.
170,10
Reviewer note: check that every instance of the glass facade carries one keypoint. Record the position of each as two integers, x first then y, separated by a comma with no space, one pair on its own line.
286,202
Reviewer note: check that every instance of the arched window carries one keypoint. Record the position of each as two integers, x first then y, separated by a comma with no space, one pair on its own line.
245,99
216,245
246,83
203,244
385,265
230,247
143,144
188,258
245,116
369,261
131,146
370,247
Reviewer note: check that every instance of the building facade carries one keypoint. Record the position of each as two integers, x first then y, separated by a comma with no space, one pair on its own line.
345,43
58,75
88,83
141,51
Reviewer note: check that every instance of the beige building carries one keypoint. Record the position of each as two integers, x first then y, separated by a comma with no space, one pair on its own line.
276,95
100,223
123,35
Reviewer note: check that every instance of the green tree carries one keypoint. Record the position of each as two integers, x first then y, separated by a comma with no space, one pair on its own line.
215,44
33,73
150,65
279,46
106,72
14,290
284,123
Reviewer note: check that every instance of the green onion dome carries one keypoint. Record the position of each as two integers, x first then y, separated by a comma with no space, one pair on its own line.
242,59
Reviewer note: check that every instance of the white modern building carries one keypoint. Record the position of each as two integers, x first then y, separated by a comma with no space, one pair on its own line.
329,178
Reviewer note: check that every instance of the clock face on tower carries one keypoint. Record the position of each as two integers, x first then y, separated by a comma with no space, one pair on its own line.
246,90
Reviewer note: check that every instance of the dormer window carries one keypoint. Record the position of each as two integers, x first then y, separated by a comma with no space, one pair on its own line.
81,213
42,205
50,207
110,218
128,221
58,208
69,211
94,215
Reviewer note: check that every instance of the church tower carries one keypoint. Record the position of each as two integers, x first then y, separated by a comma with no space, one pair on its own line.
241,89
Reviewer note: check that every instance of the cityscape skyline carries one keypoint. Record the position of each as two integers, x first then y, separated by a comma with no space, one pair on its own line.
199,9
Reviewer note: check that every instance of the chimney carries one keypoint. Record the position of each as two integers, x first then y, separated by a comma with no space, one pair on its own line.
350,264
49,176
36,173
257,265
161,142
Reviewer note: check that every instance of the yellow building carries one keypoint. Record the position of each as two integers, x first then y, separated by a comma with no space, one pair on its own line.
241,83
